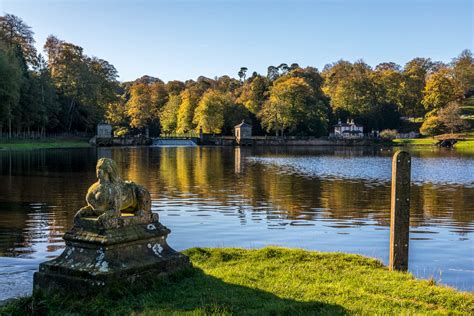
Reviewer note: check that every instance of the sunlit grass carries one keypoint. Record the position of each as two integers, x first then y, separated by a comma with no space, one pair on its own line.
466,145
269,281
415,141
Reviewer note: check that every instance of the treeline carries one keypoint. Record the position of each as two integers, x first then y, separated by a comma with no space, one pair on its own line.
69,91
66,92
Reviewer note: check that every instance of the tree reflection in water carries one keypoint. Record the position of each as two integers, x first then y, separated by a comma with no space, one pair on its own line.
212,196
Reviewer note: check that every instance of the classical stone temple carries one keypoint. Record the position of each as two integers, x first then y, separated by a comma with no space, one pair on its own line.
115,240
243,133
104,130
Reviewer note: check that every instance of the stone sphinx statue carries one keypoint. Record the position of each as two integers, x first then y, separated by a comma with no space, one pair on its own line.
110,196
116,240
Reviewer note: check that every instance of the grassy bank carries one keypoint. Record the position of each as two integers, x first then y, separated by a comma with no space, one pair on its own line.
269,281
415,142
41,144
466,144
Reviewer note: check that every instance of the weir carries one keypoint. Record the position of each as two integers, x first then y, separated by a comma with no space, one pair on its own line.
173,142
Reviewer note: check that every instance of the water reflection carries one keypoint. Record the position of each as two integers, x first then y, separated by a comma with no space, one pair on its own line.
331,199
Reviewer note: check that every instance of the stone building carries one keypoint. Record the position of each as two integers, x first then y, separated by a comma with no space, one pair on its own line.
104,130
243,133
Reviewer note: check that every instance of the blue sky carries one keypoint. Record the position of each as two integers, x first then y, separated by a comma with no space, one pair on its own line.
184,39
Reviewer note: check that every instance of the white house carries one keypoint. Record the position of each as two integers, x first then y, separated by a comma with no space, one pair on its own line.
348,130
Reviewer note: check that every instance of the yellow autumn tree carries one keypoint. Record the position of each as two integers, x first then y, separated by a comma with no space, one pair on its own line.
441,88
292,103
184,119
209,114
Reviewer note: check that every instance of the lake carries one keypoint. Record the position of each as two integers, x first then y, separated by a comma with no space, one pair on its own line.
318,198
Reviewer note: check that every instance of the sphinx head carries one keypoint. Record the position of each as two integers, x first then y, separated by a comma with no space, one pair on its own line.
107,171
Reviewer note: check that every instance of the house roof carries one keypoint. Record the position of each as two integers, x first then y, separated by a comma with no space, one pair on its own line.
346,125
243,124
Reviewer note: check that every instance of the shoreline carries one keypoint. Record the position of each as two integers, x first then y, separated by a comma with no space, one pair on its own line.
47,143
28,144
265,281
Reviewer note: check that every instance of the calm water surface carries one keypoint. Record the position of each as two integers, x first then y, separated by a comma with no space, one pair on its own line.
328,199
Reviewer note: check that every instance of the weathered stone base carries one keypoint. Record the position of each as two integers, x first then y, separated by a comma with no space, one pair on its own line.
99,259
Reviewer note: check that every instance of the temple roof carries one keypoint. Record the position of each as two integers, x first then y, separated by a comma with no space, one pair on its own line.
243,124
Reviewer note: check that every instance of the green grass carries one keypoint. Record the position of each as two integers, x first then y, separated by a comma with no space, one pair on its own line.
41,144
465,144
269,281
415,141
468,109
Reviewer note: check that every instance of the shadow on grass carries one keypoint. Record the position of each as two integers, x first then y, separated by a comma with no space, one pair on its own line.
189,292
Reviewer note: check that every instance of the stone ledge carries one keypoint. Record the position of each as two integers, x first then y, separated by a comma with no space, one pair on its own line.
126,219
97,235
81,285
98,258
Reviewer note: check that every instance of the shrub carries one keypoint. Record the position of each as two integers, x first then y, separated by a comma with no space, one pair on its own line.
431,126
121,132
388,134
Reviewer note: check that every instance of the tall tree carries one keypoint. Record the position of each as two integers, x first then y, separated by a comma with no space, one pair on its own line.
234,113
102,89
140,106
209,114
46,99
117,113
189,101
283,69
441,88
411,88
86,85
10,85
388,80
334,74
186,109
463,69
175,87
450,117
291,102
159,96
351,87
169,114
272,73
317,106
254,93
226,84
14,32
242,73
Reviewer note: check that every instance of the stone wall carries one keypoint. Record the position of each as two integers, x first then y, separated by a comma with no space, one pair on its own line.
121,141
286,141
218,140
303,141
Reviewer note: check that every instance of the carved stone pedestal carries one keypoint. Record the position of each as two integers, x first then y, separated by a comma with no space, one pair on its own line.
97,258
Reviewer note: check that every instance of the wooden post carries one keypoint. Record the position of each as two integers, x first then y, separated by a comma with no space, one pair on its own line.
400,211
